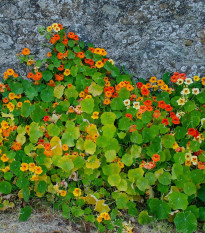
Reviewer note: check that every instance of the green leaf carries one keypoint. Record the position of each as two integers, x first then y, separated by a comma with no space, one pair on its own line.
35,132
201,97
114,180
5,187
185,222
179,157
42,186
79,162
47,75
110,155
90,146
197,176
108,118
66,164
158,208
127,159
72,133
25,213
58,91
117,104
71,92
22,182
60,47
134,174
87,105
95,89
26,109
168,141
37,114
144,218
178,201
8,176
53,130
189,106
165,178
194,146
124,93
136,137
189,188
180,132
26,194
71,43
47,94
201,193
31,92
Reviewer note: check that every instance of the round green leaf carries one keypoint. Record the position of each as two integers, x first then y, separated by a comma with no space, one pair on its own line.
178,201
5,187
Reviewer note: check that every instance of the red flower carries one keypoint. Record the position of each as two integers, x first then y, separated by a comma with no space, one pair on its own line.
157,113
46,118
161,104
128,115
139,85
175,120
148,102
165,121
168,108
156,157
144,91
193,132
172,114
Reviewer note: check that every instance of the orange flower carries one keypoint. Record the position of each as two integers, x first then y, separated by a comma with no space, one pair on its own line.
157,113
60,55
156,157
108,94
142,109
25,51
10,72
106,101
144,91
81,55
5,100
49,54
30,75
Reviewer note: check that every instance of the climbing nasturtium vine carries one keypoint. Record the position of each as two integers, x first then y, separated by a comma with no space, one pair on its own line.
84,135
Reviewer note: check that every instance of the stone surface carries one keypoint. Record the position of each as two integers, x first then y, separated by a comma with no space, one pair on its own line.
148,37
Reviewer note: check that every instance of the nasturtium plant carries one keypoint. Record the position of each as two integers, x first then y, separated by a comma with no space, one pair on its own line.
82,134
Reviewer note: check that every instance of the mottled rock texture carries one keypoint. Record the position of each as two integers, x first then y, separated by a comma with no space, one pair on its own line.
148,37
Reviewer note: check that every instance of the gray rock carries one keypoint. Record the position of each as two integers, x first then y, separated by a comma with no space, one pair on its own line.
147,37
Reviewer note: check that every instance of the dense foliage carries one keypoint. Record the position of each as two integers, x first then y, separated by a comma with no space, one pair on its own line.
82,134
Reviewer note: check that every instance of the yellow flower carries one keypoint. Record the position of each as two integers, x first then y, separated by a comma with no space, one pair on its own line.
19,104
153,80
164,87
6,169
57,29
27,128
88,96
27,101
12,96
34,178
54,25
4,125
103,52
77,192
63,193
188,163
65,147
49,28
18,96
175,145
98,51
155,87
160,82
4,158
139,115
38,170
32,167
121,164
99,219
10,72
10,106
111,61
105,215
82,94
196,78
67,72
99,64
95,115
24,167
